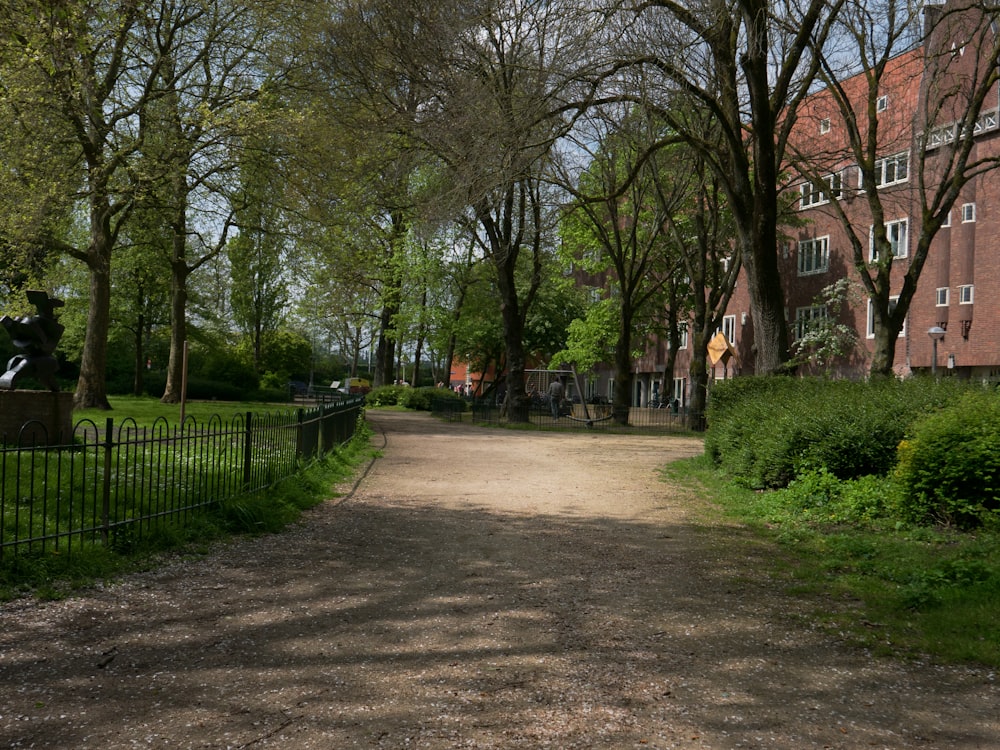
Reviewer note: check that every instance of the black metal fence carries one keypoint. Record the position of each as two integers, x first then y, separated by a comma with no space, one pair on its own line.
121,481
589,416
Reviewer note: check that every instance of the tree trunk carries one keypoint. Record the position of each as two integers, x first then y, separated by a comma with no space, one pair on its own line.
513,330
767,304
623,369
178,332
698,373
140,331
91,388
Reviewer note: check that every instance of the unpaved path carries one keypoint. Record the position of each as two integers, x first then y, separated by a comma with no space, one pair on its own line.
479,589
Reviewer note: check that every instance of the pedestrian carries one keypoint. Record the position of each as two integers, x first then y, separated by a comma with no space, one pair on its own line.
555,396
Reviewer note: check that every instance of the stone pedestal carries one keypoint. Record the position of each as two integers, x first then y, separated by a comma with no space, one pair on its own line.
45,416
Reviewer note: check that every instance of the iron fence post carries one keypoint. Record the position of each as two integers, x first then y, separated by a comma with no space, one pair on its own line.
106,484
247,452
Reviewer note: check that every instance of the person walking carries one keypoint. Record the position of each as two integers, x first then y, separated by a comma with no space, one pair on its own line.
556,390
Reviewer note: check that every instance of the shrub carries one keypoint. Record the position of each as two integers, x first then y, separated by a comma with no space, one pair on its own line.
385,395
421,398
767,431
949,468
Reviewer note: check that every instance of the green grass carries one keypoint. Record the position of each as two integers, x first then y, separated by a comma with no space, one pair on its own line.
145,410
53,574
888,587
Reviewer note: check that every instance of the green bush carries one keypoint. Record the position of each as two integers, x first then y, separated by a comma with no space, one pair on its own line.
421,398
385,395
765,431
949,468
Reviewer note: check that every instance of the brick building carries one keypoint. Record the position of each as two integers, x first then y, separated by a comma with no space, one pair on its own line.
920,101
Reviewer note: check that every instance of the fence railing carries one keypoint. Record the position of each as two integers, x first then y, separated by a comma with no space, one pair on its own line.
115,483
572,415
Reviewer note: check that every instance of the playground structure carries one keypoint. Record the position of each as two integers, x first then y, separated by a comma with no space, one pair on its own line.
576,405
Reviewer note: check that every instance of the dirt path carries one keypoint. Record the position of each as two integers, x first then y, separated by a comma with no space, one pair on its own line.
479,589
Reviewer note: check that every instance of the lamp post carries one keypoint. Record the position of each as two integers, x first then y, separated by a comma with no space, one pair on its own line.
936,333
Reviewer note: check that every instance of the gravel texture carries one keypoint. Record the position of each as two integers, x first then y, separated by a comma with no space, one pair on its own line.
477,588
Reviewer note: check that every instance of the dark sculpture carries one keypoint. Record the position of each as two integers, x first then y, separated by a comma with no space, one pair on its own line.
37,336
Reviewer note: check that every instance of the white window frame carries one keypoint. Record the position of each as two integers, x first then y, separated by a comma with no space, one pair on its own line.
890,170
824,126
882,103
942,296
870,328
729,328
966,294
968,213
804,317
900,245
680,390
809,196
817,252
947,221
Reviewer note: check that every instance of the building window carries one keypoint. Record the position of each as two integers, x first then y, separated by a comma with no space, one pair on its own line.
871,317
805,318
892,170
729,328
941,296
812,196
814,256
965,294
947,221
968,213
882,104
889,171
680,391
824,125
896,233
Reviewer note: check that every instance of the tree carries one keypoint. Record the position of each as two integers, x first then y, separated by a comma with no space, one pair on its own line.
482,91
748,64
699,228
209,92
257,256
616,229
90,84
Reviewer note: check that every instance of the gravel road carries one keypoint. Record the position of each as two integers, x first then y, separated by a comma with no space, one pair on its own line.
477,588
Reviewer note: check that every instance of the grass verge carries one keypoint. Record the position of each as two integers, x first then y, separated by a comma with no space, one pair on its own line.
51,575
885,586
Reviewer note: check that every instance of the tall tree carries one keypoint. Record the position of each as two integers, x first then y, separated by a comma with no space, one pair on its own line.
617,229
210,91
87,71
484,90
748,63
257,256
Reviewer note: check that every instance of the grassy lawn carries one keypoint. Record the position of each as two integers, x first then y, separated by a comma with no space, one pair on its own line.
51,572
145,410
888,587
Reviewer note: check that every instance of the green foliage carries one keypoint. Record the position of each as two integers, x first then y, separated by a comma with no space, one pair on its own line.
819,496
888,586
591,339
386,395
767,431
223,365
949,468
53,574
421,398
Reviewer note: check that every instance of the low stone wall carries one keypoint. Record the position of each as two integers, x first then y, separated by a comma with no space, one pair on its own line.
36,418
